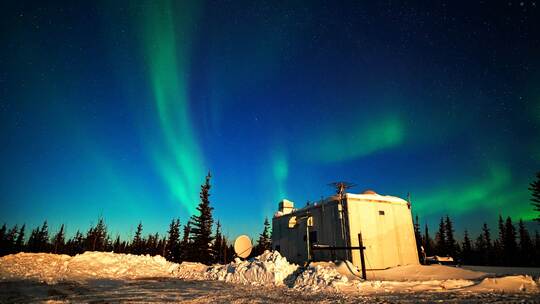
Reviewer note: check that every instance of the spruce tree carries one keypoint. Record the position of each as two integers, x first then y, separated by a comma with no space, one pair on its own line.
116,245
43,238
185,253
19,243
535,193
483,247
99,236
418,237
451,245
218,244
172,248
467,249
440,239
427,242
10,238
201,231
78,243
510,245
526,248
59,240
137,243
265,240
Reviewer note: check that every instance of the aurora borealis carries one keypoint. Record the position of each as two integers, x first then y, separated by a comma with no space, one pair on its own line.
119,109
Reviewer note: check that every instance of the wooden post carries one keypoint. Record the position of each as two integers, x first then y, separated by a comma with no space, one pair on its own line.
362,261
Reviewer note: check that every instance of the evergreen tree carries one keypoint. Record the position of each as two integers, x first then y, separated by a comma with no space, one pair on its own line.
265,240
201,232
499,251
526,248
19,243
427,242
78,243
59,240
185,245
440,240
451,244
218,244
137,244
467,249
10,238
161,246
97,237
535,193
172,250
488,255
418,237
43,238
117,245
483,247
510,245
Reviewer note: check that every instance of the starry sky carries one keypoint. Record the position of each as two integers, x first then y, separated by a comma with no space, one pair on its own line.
119,108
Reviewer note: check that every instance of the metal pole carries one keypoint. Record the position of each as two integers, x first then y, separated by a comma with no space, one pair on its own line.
362,261
307,241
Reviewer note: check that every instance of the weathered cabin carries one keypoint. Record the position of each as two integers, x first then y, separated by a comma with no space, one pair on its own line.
385,224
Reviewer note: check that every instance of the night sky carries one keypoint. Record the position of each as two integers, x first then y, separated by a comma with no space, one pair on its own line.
119,109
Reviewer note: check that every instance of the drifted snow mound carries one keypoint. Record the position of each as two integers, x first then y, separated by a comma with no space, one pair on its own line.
269,269
507,284
320,276
51,268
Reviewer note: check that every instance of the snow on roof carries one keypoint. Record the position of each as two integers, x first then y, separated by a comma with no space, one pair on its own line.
376,197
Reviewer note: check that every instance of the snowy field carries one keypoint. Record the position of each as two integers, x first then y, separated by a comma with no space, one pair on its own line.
109,277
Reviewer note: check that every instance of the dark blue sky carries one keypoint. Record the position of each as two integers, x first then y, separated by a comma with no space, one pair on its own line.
120,109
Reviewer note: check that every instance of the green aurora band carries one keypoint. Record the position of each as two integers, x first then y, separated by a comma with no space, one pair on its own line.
491,193
167,48
365,137
280,169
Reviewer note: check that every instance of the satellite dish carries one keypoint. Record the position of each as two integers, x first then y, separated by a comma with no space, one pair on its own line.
242,246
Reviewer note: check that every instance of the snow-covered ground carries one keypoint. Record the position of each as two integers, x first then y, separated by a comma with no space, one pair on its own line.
99,275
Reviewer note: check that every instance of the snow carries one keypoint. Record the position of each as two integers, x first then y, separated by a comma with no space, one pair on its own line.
269,270
424,273
320,276
51,268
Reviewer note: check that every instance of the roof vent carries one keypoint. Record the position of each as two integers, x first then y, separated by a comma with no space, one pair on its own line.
369,191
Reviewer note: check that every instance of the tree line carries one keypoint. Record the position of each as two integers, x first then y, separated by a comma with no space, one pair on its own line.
195,241
512,246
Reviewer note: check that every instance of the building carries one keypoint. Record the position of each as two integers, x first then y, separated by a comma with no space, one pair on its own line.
385,223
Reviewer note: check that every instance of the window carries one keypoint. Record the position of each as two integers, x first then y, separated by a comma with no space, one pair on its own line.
381,212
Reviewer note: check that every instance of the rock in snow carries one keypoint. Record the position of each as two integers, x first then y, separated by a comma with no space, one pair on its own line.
268,269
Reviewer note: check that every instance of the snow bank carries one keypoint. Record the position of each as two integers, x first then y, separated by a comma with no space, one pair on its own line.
424,273
268,269
507,284
43,267
52,268
320,276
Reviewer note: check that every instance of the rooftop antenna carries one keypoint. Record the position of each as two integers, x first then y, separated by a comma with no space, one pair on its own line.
341,187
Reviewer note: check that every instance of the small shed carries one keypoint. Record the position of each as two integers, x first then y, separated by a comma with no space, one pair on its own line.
384,222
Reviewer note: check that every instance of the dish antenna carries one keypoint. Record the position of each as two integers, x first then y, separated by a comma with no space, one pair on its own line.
243,246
